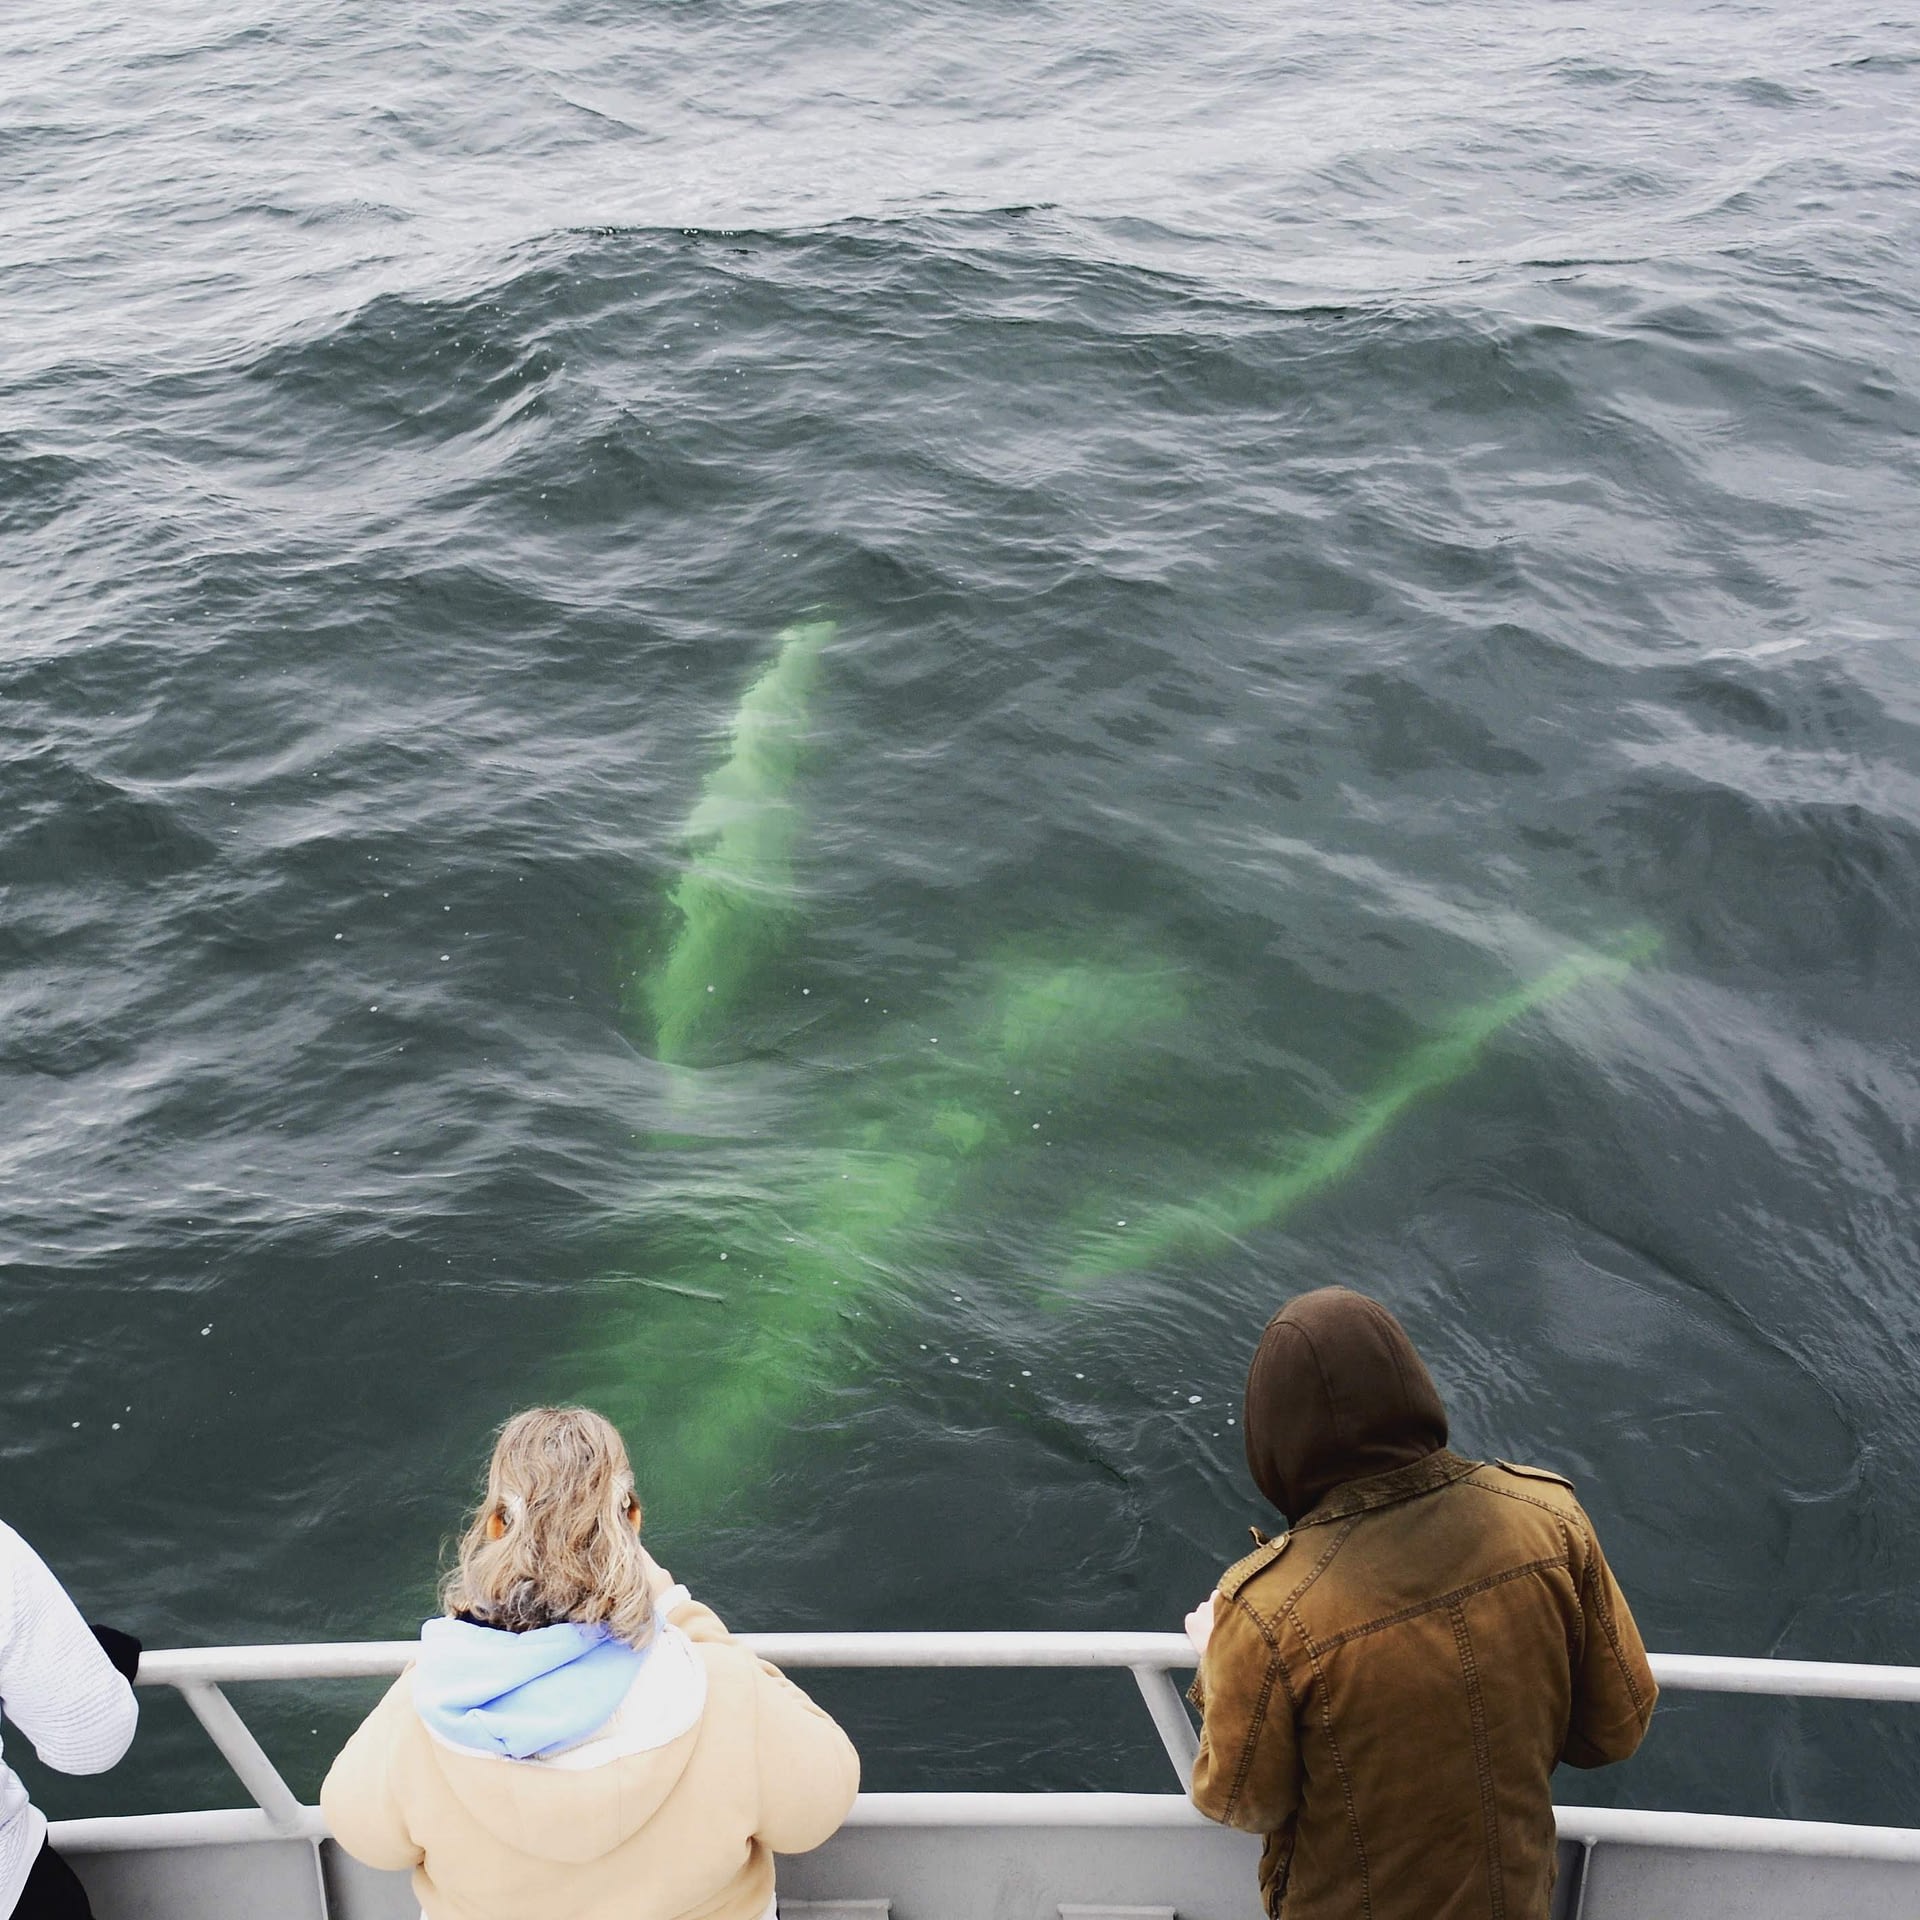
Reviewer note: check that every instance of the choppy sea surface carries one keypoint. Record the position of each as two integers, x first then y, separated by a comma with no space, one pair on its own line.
1328,517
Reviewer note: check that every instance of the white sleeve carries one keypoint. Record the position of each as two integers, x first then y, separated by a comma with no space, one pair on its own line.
56,1683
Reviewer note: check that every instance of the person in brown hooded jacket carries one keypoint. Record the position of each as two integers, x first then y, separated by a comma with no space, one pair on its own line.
1387,1688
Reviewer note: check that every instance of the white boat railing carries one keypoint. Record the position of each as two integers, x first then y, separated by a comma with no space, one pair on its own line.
199,1674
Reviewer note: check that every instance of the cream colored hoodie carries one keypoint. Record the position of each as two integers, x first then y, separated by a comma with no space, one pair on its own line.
614,1828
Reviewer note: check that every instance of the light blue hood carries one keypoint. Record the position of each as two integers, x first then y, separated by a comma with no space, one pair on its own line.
516,1695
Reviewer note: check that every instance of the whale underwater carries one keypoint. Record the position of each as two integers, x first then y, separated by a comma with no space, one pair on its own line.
716,1351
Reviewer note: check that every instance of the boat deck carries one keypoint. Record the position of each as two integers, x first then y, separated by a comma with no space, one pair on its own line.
1001,1856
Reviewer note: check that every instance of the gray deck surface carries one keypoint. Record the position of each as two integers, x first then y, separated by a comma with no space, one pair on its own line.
1028,1873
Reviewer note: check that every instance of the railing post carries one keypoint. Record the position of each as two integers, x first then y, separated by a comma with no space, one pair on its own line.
1571,1894
1170,1719
244,1754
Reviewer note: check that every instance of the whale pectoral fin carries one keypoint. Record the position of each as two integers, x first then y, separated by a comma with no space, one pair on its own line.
1259,1200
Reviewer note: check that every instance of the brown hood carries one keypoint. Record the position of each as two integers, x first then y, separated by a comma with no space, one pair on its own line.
1336,1392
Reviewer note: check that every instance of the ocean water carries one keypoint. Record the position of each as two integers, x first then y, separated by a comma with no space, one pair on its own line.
1328,523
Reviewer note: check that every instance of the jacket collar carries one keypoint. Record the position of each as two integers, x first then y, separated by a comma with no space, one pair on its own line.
1428,1475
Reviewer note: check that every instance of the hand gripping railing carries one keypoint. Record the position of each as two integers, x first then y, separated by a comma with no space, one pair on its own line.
199,1673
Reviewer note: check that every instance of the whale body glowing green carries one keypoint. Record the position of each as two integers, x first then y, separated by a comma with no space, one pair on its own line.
919,1144
735,898
748,1347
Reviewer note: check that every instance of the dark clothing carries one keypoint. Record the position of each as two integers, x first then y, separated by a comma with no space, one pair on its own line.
1388,1687
122,1649
1335,1393
53,1891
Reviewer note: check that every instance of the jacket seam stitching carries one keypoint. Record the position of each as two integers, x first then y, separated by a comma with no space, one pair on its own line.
1477,1714
1318,1568
1437,1602
1511,1493
1339,1767
1256,1720
1576,1623
1260,1626
1466,1470
1293,1819
1605,1611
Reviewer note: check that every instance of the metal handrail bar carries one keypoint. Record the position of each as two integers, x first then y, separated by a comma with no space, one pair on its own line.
199,1672
212,1827
1735,1833
1166,1652
1588,1826
290,1660
1785,1679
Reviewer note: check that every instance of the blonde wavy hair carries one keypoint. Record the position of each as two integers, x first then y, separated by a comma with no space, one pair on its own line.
558,1535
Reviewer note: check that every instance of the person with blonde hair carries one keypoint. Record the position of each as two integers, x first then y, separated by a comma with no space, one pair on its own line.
578,1738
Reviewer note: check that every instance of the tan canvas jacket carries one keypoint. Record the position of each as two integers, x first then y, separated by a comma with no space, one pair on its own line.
1389,1686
